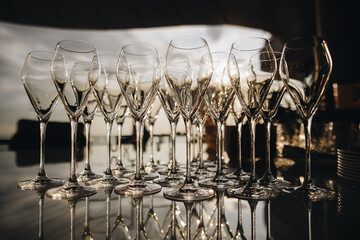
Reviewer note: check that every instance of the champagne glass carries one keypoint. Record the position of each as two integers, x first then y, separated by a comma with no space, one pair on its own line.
201,172
109,96
43,96
75,83
219,96
251,81
268,111
139,74
238,116
188,78
305,68
121,115
152,116
88,116
174,177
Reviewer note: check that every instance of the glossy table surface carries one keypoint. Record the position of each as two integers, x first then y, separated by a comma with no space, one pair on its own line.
20,211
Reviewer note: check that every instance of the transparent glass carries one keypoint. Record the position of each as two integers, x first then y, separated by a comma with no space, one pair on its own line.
305,68
251,81
174,231
152,224
218,98
43,96
268,112
139,75
75,83
120,229
88,116
174,177
108,94
188,78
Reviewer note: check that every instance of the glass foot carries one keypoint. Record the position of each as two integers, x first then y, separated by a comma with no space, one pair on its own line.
87,175
202,173
189,193
239,174
167,170
40,183
253,191
137,188
309,192
146,176
120,171
108,182
70,191
270,181
218,183
172,180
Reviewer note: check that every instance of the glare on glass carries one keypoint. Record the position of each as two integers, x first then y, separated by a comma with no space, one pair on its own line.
36,79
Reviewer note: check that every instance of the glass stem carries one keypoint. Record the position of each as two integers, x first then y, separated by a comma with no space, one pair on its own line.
200,140
74,126
173,146
41,172
138,126
119,127
239,129
268,219
188,128
86,224
108,141
87,152
151,132
308,214
219,148
173,219
268,155
108,195
72,219
252,146
307,126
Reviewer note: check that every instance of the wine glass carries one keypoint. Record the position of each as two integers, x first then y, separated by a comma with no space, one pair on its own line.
120,230
188,78
151,223
139,74
174,177
75,83
43,96
305,68
219,96
174,231
238,114
121,115
109,96
151,118
88,116
202,115
268,111
251,81
239,232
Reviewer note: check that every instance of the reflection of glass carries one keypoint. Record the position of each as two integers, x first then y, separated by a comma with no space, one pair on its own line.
305,68
109,96
251,82
222,229
188,78
151,223
200,233
139,74
121,115
120,230
218,97
268,111
140,232
88,116
173,178
87,232
239,232
75,83
38,85
174,231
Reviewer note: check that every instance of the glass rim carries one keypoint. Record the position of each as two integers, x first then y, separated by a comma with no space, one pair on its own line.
172,42
312,42
60,44
233,46
148,53
37,55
